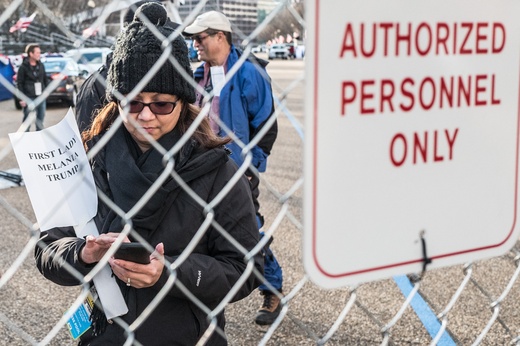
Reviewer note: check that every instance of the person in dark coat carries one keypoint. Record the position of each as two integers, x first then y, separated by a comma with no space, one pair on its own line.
200,216
31,80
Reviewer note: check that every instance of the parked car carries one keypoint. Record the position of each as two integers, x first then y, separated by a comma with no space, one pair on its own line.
70,77
278,51
89,59
258,49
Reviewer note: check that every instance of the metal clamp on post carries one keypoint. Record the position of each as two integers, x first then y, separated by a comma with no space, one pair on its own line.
426,260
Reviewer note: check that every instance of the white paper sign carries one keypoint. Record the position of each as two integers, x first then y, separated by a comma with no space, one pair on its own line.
57,174
62,191
217,79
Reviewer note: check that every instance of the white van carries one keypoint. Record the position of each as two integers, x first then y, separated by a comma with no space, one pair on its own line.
89,59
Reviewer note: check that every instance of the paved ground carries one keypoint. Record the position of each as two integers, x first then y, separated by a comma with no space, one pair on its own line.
30,306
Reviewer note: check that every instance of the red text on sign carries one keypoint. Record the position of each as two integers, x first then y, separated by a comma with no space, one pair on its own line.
435,146
405,39
387,95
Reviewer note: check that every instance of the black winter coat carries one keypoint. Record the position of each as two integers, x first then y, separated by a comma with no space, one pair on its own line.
209,272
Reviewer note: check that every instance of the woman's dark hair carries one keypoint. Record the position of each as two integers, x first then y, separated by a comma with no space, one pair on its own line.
203,134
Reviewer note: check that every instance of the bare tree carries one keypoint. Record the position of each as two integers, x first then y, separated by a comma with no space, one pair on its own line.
285,23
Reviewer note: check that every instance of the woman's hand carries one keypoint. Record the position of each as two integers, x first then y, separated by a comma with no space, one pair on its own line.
140,275
96,247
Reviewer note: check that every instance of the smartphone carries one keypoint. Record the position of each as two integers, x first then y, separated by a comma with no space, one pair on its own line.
134,252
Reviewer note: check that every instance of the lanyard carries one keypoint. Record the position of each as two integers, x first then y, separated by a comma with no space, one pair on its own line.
35,70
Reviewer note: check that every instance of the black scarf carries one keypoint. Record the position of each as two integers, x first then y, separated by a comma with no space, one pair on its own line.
131,173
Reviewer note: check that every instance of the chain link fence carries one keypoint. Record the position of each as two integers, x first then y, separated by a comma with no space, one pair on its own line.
473,304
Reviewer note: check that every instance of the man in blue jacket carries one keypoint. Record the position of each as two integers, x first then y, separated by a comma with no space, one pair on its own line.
240,108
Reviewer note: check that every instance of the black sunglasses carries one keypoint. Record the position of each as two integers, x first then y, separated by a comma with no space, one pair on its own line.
199,39
158,108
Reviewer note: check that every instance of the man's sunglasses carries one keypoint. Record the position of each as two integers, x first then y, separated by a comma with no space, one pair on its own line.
199,38
158,108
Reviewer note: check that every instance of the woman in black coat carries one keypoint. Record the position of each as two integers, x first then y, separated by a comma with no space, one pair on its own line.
200,218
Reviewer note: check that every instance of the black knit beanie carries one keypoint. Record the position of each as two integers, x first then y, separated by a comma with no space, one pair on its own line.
136,51
129,16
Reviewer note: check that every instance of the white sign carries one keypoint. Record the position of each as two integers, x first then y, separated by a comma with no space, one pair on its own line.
62,191
57,174
412,121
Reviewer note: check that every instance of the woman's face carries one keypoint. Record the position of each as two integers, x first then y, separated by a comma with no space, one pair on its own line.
152,118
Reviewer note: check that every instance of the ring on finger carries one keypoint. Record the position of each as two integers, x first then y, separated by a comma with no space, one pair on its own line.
128,281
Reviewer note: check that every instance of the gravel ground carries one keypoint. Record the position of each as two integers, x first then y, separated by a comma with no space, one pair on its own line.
31,306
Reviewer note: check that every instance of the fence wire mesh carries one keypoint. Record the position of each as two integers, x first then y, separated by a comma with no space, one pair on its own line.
473,304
